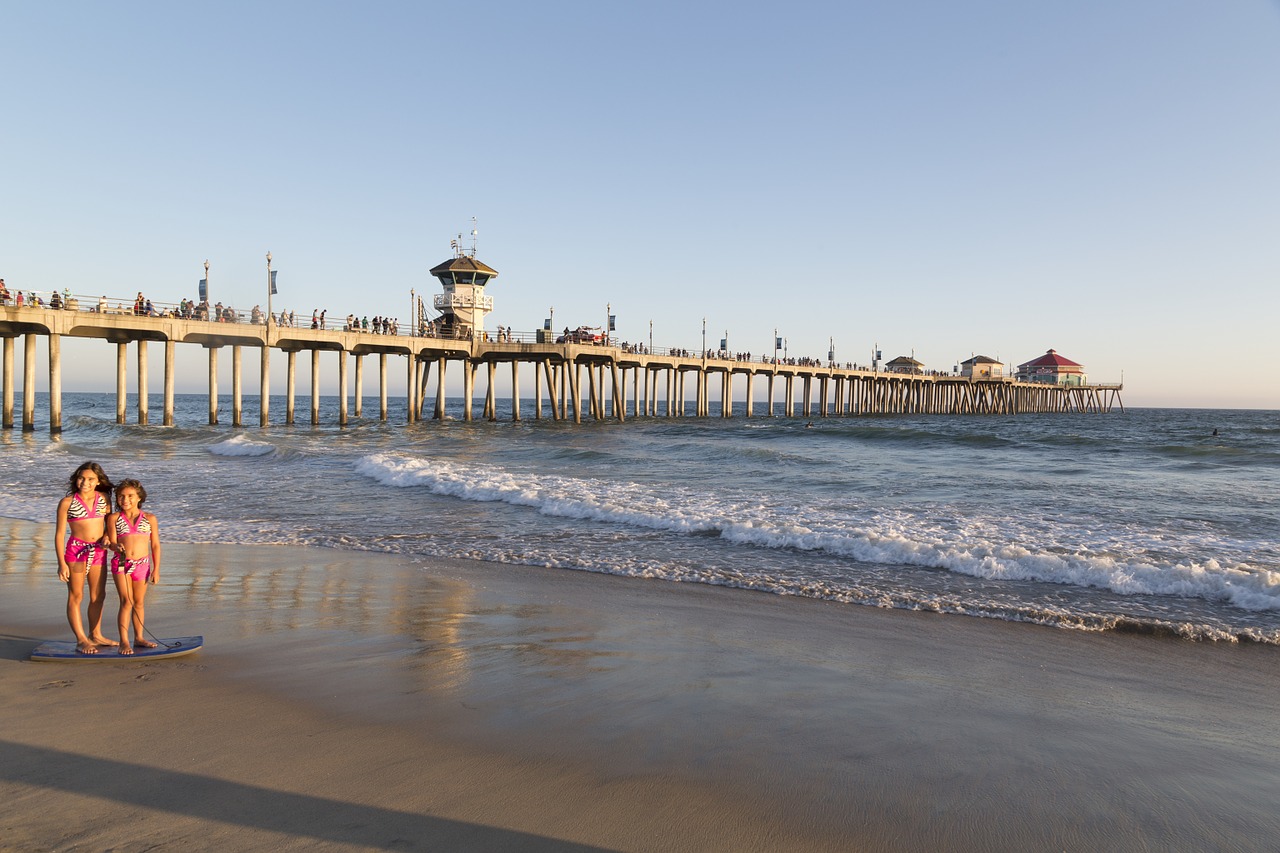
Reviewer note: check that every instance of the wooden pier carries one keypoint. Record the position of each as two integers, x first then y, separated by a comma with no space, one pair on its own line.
572,380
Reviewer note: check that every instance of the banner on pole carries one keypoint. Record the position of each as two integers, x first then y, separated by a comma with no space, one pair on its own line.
204,290
273,282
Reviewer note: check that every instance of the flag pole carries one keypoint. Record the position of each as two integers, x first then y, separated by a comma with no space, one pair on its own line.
271,286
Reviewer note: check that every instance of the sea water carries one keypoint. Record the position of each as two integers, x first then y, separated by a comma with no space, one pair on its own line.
1151,520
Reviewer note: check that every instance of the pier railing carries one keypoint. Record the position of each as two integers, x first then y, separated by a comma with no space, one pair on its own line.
189,310
559,369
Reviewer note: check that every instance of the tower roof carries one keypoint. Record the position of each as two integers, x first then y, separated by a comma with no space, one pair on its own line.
463,263
1051,359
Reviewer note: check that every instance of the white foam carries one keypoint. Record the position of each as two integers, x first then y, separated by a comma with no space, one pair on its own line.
241,445
938,536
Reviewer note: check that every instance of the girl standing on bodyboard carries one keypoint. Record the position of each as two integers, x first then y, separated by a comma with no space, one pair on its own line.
84,555
134,535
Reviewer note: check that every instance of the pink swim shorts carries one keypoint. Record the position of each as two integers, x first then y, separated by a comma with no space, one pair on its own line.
80,551
138,570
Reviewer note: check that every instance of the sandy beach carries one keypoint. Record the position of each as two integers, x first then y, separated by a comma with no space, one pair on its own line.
349,701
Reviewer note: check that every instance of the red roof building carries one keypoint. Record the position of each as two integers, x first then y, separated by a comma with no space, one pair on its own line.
1051,369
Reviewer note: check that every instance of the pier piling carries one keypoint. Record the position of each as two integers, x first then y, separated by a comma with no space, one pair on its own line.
824,391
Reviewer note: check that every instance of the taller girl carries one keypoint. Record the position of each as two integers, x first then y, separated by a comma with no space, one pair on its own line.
84,512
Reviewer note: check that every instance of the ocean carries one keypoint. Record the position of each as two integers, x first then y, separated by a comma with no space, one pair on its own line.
1146,521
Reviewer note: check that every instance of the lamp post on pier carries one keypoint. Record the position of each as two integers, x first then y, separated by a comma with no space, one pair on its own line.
271,288
264,381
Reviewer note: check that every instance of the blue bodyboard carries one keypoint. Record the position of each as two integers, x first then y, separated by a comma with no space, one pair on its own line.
65,650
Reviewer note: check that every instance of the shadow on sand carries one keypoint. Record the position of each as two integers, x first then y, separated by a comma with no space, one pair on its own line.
253,807
19,648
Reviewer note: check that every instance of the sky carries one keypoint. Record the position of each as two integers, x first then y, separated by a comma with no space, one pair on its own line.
938,178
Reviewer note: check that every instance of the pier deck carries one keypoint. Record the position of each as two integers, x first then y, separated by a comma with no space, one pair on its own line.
658,382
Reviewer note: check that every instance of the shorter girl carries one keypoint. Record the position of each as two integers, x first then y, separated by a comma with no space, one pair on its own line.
135,537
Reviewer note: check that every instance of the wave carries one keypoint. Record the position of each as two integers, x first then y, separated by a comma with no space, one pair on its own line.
930,537
911,434
241,445
1219,454
893,595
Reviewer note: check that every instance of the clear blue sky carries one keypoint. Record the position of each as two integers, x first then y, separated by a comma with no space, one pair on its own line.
943,177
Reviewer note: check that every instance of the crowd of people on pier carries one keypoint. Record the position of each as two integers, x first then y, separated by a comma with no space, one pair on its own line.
19,299
189,309
376,326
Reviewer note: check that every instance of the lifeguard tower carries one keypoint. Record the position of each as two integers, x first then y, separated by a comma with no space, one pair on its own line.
463,305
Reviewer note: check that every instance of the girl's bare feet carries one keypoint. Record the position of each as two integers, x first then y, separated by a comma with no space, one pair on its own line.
86,647
146,644
125,649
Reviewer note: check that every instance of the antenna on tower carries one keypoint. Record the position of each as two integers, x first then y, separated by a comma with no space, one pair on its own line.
474,234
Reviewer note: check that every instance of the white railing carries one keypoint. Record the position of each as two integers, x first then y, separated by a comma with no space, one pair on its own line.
184,310
188,310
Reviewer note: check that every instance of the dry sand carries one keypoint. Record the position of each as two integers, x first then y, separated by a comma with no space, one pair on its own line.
363,702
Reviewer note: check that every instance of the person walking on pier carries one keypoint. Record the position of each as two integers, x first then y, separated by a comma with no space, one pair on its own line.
84,555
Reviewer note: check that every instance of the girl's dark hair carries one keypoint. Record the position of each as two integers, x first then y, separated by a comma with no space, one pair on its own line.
131,484
104,484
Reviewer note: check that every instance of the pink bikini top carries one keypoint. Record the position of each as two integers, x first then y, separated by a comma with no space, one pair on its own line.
140,525
78,509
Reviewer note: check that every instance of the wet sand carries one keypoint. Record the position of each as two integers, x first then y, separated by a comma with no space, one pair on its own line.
351,701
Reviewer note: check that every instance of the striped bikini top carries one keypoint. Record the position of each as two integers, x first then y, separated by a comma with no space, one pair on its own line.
141,525
78,509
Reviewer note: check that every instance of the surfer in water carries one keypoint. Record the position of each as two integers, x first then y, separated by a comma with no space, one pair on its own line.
84,511
134,536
